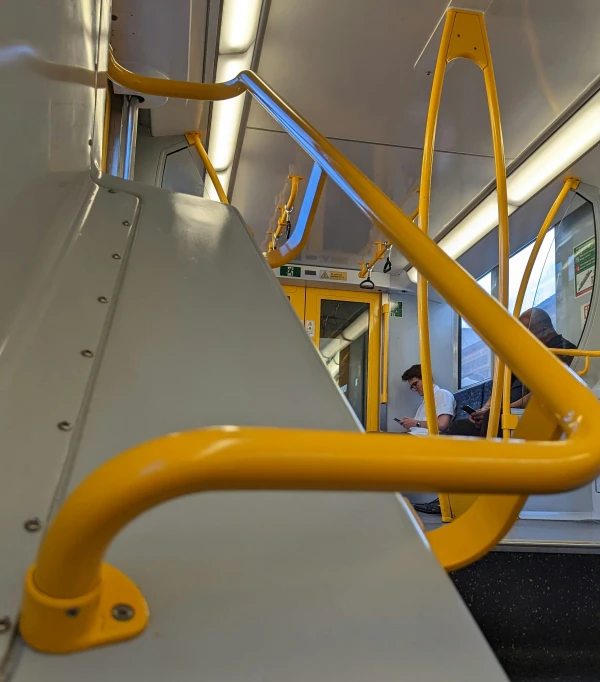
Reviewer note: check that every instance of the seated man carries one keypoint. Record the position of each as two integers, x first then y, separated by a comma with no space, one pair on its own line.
445,405
539,323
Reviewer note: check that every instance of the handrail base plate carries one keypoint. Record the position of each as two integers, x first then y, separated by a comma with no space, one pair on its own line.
113,611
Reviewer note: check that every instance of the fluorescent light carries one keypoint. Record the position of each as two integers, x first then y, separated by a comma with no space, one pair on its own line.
239,28
227,115
561,150
482,220
239,25
571,141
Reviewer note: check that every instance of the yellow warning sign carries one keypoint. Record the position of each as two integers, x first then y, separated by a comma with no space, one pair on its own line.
339,275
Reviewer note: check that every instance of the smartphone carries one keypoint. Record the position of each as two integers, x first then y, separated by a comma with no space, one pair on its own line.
468,409
396,420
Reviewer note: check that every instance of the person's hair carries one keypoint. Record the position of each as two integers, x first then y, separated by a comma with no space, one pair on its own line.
540,323
413,372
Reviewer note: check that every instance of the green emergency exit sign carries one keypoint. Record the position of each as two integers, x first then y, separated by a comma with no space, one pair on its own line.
290,271
396,309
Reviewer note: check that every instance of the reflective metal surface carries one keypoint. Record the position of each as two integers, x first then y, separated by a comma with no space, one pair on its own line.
132,109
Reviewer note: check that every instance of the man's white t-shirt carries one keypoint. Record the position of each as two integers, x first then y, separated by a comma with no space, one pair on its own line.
444,404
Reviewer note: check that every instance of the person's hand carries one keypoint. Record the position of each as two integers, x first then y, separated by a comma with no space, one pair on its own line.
408,423
477,417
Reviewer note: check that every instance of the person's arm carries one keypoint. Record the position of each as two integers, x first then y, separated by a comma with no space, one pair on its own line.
443,422
522,401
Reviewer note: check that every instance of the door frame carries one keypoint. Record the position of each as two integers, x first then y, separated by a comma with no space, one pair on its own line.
314,296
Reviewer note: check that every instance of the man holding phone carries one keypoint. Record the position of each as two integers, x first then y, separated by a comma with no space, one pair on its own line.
540,325
445,404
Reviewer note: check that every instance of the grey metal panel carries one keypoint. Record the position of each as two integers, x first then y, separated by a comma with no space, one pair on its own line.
252,586
340,231
43,374
353,75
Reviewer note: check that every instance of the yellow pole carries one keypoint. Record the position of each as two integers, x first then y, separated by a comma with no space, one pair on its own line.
385,310
423,210
569,184
193,138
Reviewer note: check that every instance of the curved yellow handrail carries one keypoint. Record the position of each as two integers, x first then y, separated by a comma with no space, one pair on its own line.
574,407
193,139
578,353
284,212
71,596
295,244
570,183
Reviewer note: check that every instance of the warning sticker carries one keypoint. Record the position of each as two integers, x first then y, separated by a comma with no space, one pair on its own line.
584,255
339,275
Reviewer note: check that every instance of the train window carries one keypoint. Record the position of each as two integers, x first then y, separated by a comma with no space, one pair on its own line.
541,289
561,284
475,358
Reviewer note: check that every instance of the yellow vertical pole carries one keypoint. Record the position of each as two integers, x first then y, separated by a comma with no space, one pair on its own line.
385,311
464,37
193,139
422,285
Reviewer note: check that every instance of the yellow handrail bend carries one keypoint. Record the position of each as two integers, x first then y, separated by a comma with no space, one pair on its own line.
73,601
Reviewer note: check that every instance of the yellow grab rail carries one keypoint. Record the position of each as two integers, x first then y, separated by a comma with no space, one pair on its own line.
569,184
284,213
574,407
464,37
380,252
578,353
73,601
297,241
194,140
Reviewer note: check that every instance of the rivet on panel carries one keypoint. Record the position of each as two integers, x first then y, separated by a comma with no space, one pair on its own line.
126,223
72,612
5,624
87,353
65,426
90,141
102,299
32,525
112,191
116,256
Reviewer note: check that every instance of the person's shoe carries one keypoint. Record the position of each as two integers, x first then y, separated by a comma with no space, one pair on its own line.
432,507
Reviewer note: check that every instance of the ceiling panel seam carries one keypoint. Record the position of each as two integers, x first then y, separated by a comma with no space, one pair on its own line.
380,144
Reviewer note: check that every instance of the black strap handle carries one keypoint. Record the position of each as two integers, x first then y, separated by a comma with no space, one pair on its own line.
388,263
367,283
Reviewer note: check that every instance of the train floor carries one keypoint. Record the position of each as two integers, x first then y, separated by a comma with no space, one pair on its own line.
537,600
